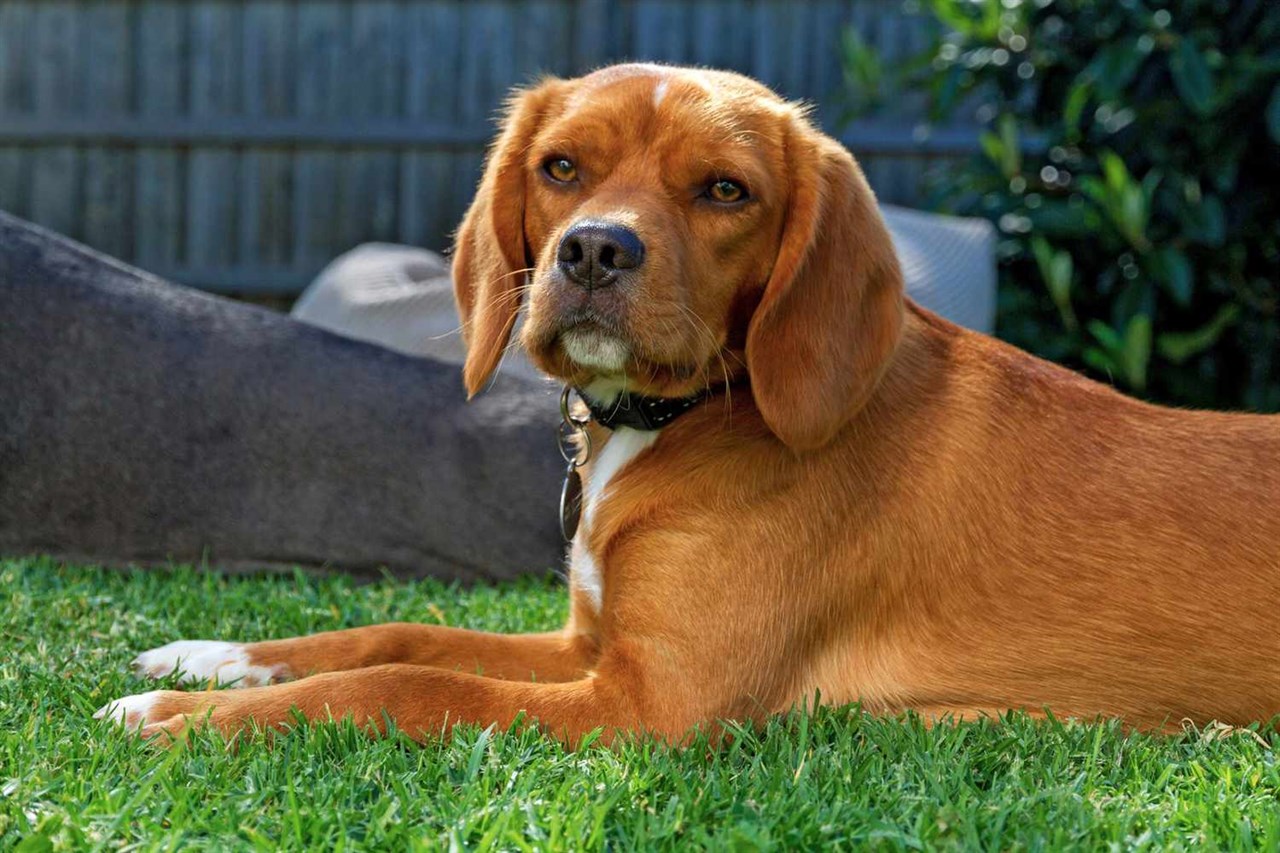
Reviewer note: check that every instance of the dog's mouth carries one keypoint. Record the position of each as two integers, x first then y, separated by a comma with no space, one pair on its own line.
596,349
594,340
585,346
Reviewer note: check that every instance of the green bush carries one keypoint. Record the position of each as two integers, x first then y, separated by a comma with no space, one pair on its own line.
1131,160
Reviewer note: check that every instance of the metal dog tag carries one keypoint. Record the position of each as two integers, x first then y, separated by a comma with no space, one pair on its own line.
570,502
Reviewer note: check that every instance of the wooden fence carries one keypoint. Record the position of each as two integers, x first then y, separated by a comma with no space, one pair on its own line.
238,145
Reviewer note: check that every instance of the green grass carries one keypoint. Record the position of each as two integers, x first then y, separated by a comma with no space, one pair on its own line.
835,777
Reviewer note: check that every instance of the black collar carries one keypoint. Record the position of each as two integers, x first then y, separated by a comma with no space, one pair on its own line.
641,413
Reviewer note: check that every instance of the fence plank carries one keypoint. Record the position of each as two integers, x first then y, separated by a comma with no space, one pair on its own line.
432,60
17,29
661,30
57,72
720,35
322,52
488,59
16,96
269,58
160,170
543,44
266,174
212,173
794,39
826,69
772,51
55,194
596,28
108,172
15,180
487,73
368,204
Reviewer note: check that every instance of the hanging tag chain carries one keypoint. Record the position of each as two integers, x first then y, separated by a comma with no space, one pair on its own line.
575,448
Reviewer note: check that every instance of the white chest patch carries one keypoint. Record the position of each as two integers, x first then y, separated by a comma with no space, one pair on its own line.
623,446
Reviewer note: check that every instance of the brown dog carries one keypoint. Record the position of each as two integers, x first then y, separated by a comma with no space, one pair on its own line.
857,496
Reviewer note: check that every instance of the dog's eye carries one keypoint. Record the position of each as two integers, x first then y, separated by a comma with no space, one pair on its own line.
726,192
561,169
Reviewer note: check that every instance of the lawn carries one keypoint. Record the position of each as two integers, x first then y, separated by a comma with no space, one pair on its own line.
836,777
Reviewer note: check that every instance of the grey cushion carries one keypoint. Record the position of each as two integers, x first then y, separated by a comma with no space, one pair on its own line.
402,298
948,264
145,422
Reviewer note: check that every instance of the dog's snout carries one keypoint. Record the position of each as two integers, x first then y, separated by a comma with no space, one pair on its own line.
593,254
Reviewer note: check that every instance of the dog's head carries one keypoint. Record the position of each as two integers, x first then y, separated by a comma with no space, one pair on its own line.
673,228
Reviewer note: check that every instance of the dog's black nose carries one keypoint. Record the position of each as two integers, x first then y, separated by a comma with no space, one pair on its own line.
594,254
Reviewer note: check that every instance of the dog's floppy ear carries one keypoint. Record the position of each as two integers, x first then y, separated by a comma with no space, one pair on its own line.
491,260
832,311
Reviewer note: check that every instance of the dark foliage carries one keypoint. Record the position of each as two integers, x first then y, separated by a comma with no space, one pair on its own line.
1131,161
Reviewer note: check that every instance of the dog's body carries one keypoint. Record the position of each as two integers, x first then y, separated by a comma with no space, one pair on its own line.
876,504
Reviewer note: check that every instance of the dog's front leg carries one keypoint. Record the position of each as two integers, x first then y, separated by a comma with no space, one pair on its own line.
422,701
554,656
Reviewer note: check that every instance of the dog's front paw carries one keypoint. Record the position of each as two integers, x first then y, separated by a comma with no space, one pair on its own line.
153,712
201,661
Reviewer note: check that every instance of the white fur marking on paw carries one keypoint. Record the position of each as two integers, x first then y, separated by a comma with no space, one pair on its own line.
131,711
199,661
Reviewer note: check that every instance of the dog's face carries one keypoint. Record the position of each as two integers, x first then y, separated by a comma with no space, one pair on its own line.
653,216
678,228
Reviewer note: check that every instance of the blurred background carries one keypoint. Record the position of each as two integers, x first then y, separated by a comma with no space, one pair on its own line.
1127,151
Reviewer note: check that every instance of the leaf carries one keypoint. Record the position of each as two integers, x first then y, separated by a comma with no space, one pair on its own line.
993,148
1008,127
946,92
1171,267
1058,270
1095,189
1192,77
950,13
1057,218
1114,67
1273,114
1123,199
1132,216
1077,98
1178,347
959,15
1129,356
1114,170
1100,361
1106,336
1137,351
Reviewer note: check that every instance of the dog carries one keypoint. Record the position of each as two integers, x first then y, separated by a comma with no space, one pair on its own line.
799,483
